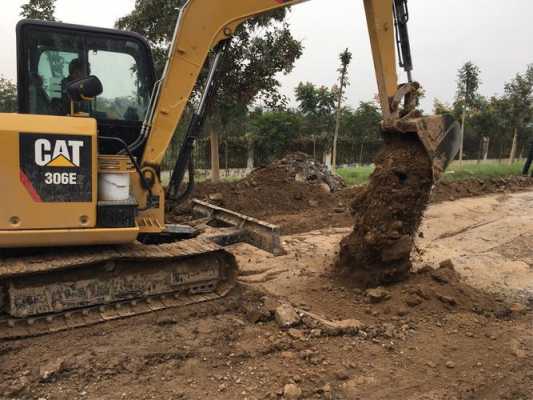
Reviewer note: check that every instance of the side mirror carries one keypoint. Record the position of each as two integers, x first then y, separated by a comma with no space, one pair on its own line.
85,89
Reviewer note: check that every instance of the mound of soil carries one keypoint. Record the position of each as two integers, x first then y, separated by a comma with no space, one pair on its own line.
447,191
387,214
289,185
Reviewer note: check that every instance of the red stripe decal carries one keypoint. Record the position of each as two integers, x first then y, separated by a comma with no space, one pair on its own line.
29,187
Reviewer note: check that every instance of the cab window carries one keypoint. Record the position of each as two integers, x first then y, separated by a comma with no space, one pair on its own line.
56,59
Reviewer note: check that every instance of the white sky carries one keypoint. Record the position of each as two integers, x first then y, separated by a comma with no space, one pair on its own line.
494,34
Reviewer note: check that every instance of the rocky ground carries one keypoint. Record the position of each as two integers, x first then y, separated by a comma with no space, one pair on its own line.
459,328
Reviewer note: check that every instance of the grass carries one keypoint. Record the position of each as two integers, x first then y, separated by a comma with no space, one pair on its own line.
356,175
359,175
482,171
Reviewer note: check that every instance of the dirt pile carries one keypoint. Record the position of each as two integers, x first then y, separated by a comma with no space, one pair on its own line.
289,185
452,190
387,214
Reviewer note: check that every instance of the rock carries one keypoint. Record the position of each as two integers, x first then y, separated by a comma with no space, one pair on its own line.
216,197
413,301
296,334
270,303
447,264
340,210
450,364
447,299
257,313
342,375
313,203
51,369
327,391
402,312
516,349
316,333
344,327
299,177
292,392
431,364
286,316
399,250
518,309
378,295
325,187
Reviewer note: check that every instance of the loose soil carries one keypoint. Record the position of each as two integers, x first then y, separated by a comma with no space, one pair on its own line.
433,336
387,214
300,207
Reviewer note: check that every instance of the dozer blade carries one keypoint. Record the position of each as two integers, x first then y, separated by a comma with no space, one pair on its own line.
240,228
63,289
441,137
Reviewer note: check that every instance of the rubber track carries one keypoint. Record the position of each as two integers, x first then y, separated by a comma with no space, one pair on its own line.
36,326
15,328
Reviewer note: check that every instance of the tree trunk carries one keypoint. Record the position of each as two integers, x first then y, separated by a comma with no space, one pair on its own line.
338,121
215,157
226,156
250,160
361,154
463,118
513,147
486,144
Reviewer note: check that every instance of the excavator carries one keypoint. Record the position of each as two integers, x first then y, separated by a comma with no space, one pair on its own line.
83,237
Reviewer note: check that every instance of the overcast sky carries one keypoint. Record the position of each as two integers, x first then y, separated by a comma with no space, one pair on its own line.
494,34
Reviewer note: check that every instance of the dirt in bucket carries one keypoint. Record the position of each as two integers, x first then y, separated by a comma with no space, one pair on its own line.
387,214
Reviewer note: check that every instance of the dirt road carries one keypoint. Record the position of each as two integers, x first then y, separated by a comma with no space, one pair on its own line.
441,335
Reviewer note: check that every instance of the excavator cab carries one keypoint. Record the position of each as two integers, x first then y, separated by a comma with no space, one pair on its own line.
53,55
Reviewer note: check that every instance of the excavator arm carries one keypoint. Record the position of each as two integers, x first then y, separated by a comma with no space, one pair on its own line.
203,24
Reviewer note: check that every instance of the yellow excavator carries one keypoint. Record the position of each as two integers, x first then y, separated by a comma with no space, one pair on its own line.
83,203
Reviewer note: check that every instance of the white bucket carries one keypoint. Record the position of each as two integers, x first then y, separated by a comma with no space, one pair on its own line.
113,186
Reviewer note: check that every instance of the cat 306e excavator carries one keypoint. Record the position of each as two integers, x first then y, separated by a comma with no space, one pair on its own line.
80,166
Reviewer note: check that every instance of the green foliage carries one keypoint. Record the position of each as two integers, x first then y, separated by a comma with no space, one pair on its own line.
317,105
39,9
262,48
274,131
519,97
363,124
468,82
8,95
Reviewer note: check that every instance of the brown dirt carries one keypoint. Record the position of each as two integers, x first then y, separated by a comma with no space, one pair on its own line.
387,215
300,207
434,338
451,342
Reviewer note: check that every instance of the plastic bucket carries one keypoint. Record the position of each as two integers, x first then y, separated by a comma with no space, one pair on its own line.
113,186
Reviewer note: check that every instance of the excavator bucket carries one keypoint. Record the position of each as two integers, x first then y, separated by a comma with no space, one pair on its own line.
441,137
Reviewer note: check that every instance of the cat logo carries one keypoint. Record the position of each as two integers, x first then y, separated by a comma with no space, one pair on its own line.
58,154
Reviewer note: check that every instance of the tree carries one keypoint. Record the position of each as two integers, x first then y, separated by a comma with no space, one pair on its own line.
519,94
363,126
274,131
8,96
39,9
441,108
468,83
317,106
345,58
262,48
